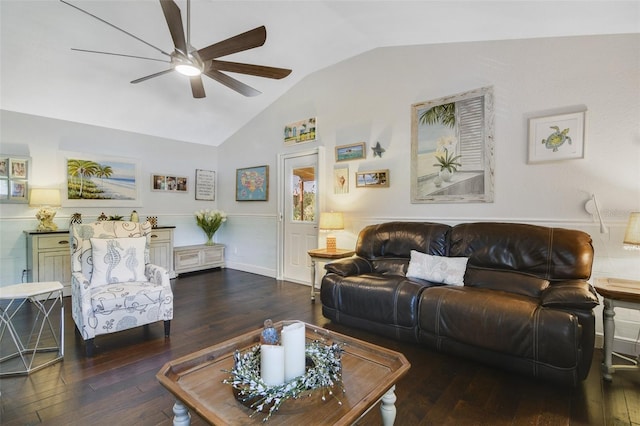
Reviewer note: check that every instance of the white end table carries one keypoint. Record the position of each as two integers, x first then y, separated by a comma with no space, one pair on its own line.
617,293
324,255
44,297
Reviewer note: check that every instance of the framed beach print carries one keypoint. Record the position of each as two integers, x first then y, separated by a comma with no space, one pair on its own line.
372,179
300,131
356,151
252,184
452,148
101,181
205,185
556,137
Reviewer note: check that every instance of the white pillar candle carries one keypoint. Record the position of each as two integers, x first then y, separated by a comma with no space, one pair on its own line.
272,364
292,337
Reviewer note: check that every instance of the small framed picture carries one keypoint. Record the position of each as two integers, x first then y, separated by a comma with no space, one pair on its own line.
169,183
252,184
356,151
18,190
4,189
18,168
4,167
556,137
341,180
205,185
300,132
372,179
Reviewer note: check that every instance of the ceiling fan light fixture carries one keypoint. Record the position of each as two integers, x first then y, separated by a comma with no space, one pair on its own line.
188,70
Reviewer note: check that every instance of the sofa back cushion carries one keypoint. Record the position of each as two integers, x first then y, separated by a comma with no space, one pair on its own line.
397,239
509,281
548,253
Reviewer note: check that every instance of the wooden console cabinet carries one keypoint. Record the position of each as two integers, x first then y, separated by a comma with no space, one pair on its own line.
49,255
49,258
161,248
198,257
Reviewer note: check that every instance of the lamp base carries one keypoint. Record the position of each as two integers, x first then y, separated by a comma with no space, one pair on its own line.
331,244
45,216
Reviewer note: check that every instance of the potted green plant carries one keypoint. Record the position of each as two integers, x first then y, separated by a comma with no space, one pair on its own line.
448,164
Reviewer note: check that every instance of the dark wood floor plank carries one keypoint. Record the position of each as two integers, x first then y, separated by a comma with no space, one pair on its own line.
118,385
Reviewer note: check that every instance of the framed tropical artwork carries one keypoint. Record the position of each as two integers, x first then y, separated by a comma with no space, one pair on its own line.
97,181
556,137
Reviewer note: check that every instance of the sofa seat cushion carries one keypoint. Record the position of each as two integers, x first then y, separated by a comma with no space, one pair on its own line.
501,322
129,295
385,299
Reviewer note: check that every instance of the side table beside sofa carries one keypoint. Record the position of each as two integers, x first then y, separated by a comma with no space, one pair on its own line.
617,293
525,304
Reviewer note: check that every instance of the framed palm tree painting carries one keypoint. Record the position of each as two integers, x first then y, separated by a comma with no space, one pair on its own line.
452,148
95,181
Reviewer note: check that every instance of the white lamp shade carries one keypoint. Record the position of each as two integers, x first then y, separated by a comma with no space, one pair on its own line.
331,220
39,197
632,235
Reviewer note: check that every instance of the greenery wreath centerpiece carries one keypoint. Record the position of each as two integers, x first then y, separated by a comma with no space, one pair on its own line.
323,372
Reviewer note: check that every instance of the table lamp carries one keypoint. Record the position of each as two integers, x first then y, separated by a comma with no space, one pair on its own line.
331,221
47,199
632,235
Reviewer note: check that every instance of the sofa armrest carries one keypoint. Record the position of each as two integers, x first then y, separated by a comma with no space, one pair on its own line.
575,294
355,265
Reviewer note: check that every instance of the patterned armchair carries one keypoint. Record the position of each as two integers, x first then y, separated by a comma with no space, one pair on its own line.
113,285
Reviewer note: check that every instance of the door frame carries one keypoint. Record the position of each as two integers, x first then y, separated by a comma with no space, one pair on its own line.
281,182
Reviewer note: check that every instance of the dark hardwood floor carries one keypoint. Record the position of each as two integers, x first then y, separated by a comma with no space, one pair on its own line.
118,386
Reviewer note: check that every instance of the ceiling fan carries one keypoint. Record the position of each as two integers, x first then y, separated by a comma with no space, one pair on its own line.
193,62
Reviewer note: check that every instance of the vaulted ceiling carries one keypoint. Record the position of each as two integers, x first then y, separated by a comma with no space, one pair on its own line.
41,75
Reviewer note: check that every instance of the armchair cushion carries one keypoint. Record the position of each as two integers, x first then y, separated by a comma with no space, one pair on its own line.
130,295
117,260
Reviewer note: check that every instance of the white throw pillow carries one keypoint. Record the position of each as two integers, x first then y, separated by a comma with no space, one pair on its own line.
438,269
117,260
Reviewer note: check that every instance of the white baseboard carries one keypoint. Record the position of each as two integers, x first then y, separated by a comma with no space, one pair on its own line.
620,345
245,267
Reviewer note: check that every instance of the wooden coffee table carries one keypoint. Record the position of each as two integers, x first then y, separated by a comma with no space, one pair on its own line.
369,375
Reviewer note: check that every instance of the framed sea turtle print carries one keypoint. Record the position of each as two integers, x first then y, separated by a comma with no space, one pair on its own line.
556,137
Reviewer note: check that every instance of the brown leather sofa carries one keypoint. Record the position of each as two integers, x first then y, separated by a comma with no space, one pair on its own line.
525,304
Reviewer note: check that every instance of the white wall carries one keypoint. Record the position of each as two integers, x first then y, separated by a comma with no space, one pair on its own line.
368,98
47,141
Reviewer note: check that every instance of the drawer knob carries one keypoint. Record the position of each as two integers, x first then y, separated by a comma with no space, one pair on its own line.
154,236
63,242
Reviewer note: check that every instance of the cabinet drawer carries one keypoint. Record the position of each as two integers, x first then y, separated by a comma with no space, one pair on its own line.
53,242
160,235
213,255
187,259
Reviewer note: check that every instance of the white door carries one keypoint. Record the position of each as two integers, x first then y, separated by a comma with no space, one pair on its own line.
300,213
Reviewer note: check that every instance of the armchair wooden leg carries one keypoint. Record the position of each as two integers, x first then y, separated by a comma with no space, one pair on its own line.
167,328
89,347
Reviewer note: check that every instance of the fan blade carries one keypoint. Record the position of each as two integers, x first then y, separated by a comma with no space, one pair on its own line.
245,41
257,70
197,88
141,79
117,28
120,54
174,21
232,83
